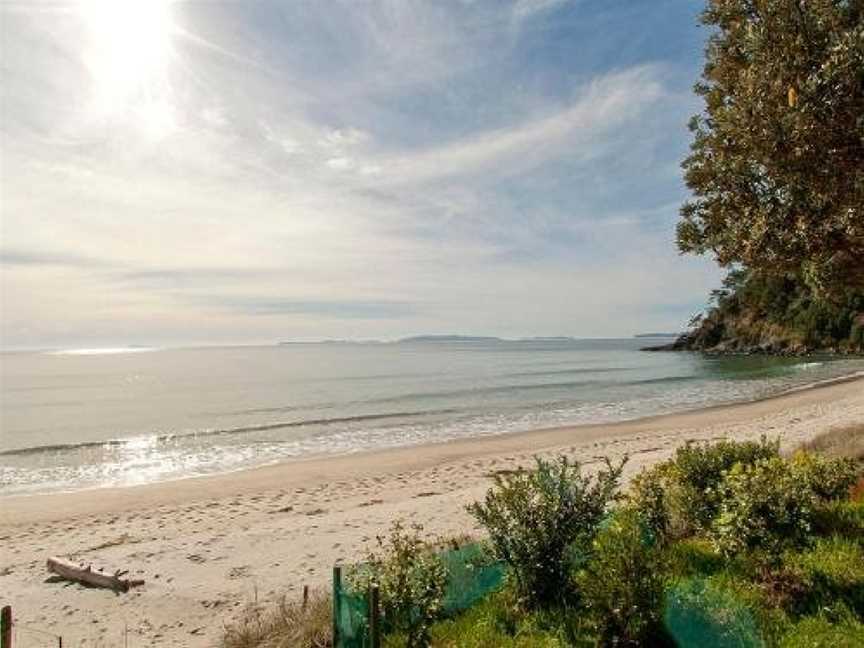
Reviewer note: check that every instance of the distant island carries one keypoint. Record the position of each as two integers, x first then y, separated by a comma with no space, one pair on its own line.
448,338
329,341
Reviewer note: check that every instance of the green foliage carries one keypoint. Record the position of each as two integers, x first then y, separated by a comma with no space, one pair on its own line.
692,557
499,622
542,522
648,497
622,584
411,579
840,518
856,336
777,160
682,496
764,510
780,313
832,575
825,631
828,479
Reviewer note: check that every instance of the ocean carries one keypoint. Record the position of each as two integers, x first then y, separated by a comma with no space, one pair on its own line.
90,418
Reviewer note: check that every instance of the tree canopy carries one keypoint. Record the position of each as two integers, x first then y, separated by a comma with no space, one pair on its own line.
777,161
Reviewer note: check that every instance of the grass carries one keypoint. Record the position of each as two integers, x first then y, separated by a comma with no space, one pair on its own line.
289,624
497,623
840,442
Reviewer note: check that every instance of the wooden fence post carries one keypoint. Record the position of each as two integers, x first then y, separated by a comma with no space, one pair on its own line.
6,627
374,617
337,590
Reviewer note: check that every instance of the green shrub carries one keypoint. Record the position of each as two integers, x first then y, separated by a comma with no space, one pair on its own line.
411,579
828,479
692,557
680,496
699,471
764,510
648,497
622,584
541,522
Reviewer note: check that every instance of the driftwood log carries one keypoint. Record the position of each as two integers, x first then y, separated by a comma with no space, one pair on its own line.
82,574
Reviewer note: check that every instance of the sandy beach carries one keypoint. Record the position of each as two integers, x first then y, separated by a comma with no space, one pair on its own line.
208,546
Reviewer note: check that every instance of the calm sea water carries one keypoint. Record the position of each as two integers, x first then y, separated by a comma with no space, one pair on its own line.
119,417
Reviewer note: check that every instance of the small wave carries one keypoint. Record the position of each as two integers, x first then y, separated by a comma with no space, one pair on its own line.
807,365
565,372
261,427
661,380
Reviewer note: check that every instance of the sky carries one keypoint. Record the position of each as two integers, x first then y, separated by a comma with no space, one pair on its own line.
248,172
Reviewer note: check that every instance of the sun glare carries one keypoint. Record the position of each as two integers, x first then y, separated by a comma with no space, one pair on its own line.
128,51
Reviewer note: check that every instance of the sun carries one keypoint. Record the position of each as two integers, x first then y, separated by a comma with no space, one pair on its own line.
127,51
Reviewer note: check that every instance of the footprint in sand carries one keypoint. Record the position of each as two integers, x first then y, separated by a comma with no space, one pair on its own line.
238,572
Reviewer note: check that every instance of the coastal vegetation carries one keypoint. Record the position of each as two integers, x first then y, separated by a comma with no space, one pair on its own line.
732,543
778,314
776,171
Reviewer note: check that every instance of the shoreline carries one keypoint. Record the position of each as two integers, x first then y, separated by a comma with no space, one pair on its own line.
38,506
207,547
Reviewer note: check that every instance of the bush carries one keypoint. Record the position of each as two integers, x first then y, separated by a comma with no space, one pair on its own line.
699,470
681,497
765,509
648,497
622,584
692,557
828,479
411,580
541,522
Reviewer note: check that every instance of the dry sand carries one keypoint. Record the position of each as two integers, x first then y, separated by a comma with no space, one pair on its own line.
210,545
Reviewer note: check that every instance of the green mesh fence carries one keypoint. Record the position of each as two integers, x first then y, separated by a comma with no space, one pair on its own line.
699,614
350,616
470,577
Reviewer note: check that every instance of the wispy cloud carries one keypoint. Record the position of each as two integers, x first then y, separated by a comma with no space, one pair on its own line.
523,9
35,258
606,102
353,169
